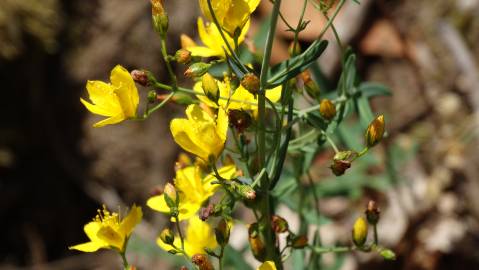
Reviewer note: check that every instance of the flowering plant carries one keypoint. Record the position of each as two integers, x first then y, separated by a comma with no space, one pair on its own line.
248,133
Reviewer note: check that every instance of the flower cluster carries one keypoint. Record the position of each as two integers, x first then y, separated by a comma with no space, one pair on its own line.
246,127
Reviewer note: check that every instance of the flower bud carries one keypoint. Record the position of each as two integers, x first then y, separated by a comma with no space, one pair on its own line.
309,85
202,261
372,213
159,16
327,109
339,167
360,232
294,50
183,56
388,254
251,83
197,70
375,131
170,195
245,191
257,246
140,77
152,96
279,224
167,236
299,242
239,119
222,233
210,87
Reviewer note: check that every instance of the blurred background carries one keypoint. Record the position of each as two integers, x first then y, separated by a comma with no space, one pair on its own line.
55,170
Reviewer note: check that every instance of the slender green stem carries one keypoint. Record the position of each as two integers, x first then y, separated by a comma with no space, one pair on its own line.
322,250
330,141
174,81
220,258
126,266
180,234
376,238
231,51
330,21
158,106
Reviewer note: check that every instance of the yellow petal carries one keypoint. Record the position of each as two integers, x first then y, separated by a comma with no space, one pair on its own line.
181,130
202,51
267,265
227,172
237,16
131,220
110,121
104,98
165,247
91,229
158,203
88,247
187,42
199,235
222,125
112,237
220,8
253,4
126,90
97,109
274,94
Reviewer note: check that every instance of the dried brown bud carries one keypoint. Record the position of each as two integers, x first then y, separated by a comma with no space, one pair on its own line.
375,132
339,167
206,212
202,261
327,109
140,76
279,224
239,119
257,246
299,241
251,83
372,213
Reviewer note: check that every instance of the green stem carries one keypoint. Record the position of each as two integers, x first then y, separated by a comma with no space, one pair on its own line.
158,106
271,250
174,81
330,141
376,238
177,223
125,261
330,21
322,250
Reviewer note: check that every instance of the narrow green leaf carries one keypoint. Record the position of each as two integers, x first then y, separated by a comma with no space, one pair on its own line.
290,68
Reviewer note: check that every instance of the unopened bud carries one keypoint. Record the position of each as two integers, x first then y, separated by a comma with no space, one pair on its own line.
197,70
159,16
360,232
387,254
245,191
299,242
210,87
339,167
375,132
222,233
183,268
294,49
167,236
257,246
170,195
309,85
202,261
140,77
152,96
183,56
239,119
178,98
279,224
251,83
372,213
327,109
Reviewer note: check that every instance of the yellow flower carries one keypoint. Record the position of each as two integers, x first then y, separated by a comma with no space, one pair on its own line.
214,44
118,100
239,99
267,265
200,133
199,235
231,14
193,190
109,230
